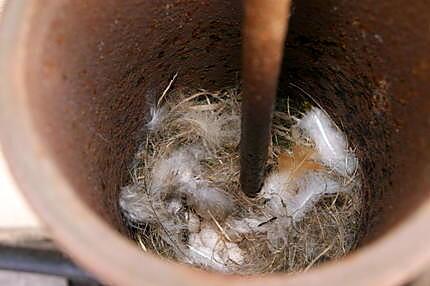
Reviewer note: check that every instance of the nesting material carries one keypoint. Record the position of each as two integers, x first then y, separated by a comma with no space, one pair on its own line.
185,201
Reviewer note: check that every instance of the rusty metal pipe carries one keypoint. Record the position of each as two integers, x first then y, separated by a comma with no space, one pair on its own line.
75,80
264,29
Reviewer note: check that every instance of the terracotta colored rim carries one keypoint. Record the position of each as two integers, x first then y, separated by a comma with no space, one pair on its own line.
91,242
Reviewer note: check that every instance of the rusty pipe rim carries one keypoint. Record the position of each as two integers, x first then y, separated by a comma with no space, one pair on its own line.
390,260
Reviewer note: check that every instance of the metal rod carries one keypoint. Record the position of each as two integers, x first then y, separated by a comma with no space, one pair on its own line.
39,261
264,29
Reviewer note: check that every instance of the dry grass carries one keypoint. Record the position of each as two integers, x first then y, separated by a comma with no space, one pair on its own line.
211,119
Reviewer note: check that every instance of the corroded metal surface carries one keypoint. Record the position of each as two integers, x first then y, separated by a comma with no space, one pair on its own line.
77,76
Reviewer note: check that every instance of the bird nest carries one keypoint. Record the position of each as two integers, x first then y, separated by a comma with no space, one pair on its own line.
184,201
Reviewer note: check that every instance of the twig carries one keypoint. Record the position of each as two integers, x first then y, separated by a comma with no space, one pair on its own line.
166,89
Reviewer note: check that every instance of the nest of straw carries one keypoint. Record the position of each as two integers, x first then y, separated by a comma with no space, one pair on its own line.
211,121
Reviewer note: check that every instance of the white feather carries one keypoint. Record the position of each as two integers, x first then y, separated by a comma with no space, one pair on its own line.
310,189
207,248
210,201
158,115
294,198
193,222
181,167
213,128
182,170
206,124
135,203
330,142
